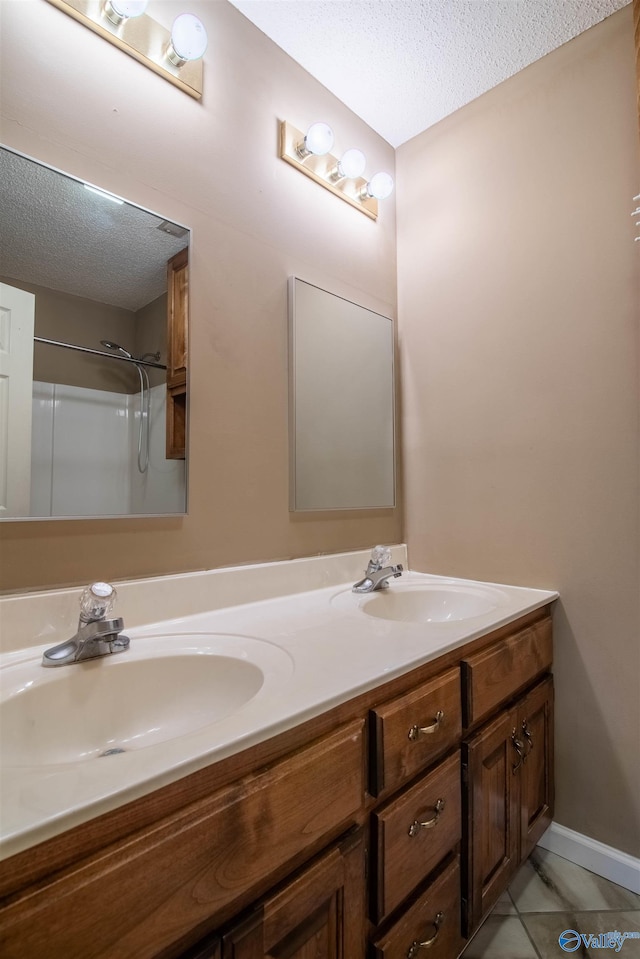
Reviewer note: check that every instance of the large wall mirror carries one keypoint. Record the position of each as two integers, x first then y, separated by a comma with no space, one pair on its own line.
341,403
93,294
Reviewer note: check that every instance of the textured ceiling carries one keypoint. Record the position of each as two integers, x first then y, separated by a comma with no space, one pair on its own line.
402,65
59,235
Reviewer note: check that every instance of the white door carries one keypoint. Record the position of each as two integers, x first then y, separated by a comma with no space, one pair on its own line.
17,311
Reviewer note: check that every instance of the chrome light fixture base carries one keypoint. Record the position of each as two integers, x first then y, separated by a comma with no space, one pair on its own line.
321,169
142,38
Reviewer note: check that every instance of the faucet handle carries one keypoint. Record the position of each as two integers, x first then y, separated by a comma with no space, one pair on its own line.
96,601
381,556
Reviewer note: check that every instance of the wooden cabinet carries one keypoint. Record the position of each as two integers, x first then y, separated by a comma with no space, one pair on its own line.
508,797
412,833
364,831
319,914
431,922
146,892
412,730
177,353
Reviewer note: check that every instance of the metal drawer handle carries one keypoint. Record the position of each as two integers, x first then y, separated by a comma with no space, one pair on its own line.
417,826
526,732
518,745
417,731
416,946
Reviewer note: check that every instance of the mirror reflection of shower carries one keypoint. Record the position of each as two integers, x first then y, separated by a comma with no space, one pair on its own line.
145,400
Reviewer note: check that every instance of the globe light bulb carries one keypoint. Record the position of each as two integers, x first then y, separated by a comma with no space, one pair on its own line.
188,39
319,140
351,164
379,186
120,10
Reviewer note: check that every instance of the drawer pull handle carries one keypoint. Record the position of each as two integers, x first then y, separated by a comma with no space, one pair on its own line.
417,731
416,946
417,826
526,732
518,745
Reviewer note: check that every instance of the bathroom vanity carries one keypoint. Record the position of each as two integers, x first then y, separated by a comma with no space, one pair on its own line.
383,823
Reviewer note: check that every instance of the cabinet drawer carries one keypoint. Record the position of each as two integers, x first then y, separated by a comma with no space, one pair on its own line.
187,868
494,675
413,832
432,922
410,732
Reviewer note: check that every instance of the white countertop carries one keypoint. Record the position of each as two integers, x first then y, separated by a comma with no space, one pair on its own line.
327,650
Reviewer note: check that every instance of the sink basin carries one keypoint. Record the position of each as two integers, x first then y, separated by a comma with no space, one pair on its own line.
163,687
424,603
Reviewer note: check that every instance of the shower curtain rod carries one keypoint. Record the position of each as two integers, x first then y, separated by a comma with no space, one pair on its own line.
109,356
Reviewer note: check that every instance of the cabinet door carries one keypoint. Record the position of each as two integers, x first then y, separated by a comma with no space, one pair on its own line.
535,730
491,806
177,353
317,915
177,318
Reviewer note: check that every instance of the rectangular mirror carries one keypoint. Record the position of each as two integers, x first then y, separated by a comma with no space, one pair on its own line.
93,397
341,403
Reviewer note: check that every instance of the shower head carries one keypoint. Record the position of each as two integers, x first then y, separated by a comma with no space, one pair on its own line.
116,346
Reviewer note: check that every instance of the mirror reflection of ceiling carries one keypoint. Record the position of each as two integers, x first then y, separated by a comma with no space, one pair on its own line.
57,234
402,65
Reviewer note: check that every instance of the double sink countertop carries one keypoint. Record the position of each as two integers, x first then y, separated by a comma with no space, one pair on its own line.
197,688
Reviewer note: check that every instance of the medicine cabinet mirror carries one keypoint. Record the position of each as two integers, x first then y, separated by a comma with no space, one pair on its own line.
341,403
92,395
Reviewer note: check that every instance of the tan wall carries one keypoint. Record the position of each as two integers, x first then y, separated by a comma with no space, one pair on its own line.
213,166
151,335
518,311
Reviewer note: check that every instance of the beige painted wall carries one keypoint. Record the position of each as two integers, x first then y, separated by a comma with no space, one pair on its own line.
213,166
518,313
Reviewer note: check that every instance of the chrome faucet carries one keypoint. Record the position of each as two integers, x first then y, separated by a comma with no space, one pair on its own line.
96,635
378,572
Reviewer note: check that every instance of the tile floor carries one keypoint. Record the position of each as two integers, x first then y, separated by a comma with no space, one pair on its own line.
547,896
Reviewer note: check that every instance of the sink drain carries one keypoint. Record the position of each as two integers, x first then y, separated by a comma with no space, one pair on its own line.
112,752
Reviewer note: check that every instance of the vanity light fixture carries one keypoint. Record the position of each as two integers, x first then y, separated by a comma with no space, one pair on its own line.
342,176
317,142
120,10
380,186
188,40
175,55
351,165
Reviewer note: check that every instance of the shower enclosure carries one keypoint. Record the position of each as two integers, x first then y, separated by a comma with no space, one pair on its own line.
101,452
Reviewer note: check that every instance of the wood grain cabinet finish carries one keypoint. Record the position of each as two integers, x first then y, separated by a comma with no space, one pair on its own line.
431,924
412,731
412,834
177,353
319,914
535,726
292,849
508,797
147,893
494,675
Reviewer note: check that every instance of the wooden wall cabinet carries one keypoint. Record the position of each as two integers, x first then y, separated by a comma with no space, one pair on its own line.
373,830
177,353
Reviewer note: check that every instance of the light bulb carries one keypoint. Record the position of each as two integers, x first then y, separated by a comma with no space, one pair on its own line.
188,39
351,164
120,10
379,186
319,140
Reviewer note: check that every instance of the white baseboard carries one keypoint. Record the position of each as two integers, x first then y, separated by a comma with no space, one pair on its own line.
605,861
